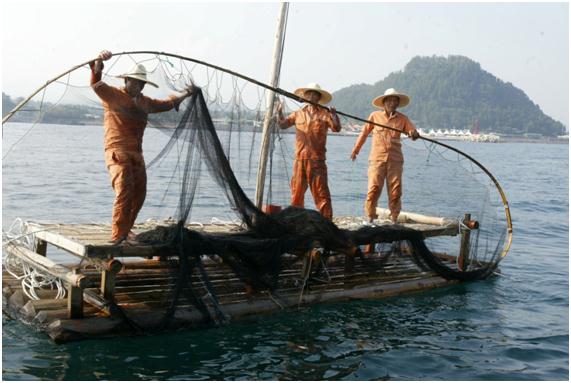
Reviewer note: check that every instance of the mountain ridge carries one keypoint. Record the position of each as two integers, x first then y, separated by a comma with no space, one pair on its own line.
453,92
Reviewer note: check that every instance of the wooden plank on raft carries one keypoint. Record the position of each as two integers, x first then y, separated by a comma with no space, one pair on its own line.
48,266
112,251
143,289
150,313
56,239
149,319
92,240
435,231
223,277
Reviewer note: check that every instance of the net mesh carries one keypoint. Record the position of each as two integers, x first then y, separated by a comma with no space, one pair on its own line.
203,162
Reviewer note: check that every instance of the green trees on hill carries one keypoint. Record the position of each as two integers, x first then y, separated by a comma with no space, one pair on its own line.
454,92
7,104
49,113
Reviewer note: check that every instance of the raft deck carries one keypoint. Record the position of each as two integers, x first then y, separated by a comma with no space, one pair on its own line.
134,279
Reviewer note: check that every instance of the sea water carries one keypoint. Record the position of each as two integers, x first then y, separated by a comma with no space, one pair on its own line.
514,326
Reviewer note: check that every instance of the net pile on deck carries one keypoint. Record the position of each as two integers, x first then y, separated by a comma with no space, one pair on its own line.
255,254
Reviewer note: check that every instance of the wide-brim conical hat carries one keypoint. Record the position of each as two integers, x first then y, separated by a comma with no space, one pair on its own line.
326,97
139,72
404,100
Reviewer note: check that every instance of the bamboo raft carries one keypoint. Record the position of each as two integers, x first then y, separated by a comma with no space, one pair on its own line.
140,280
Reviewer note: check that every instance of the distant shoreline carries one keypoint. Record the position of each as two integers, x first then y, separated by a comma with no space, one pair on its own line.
503,139
545,140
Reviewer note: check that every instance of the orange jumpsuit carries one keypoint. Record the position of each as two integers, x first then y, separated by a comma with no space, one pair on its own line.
125,120
385,160
309,168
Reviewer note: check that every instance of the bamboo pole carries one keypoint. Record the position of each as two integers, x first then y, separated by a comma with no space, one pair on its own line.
405,217
44,317
65,330
101,303
270,99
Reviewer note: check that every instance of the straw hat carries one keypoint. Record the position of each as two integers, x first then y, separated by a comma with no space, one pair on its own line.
325,96
138,72
404,100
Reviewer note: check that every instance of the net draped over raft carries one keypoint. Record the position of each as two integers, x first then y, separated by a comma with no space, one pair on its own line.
219,124
258,253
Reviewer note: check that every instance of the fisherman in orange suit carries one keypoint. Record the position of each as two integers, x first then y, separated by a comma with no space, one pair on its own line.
386,159
125,119
311,123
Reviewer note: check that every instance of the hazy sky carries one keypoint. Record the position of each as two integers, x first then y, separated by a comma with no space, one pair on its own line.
334,44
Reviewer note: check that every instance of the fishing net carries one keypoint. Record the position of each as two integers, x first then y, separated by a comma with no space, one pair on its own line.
202,164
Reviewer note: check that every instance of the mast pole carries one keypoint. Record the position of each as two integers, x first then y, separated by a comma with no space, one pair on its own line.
270,100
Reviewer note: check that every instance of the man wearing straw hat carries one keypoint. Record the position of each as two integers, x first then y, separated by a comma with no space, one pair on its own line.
125,118
311,123
386,159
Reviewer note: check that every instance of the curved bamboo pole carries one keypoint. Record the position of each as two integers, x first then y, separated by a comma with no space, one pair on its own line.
299,99
25,101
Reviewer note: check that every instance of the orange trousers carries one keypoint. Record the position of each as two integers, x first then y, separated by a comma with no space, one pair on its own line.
129,181
312,173
379,172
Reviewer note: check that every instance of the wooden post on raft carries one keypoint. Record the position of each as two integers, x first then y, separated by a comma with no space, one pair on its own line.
274,79
74,301
41,247
108,278
464,244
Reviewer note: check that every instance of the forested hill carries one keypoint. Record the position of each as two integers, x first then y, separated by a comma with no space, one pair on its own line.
453,92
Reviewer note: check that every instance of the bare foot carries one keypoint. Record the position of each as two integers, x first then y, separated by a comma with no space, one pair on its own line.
119,241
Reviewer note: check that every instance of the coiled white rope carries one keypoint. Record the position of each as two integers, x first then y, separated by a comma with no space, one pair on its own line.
30,278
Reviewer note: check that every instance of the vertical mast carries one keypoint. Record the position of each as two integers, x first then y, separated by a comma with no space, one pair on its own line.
270,99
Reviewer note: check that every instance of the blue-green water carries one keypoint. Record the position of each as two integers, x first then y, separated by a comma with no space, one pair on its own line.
510,327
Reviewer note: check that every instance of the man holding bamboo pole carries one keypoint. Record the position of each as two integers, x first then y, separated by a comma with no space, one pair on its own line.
311,123
386,159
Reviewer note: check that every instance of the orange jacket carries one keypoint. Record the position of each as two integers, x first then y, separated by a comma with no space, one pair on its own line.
386,143
125,118
311,124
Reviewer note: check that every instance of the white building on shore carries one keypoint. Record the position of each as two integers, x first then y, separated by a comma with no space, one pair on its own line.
459,135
